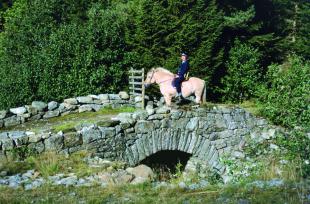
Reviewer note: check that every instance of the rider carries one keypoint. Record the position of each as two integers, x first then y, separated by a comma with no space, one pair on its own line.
183,69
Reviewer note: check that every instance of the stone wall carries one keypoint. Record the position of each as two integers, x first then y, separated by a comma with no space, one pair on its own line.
206,133
41,110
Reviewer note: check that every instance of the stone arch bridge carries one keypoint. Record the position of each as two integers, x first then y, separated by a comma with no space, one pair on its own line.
205,133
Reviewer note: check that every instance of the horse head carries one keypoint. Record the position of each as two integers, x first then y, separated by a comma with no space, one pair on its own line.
150,79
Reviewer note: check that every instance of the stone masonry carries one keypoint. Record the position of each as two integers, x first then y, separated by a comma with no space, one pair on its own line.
206,133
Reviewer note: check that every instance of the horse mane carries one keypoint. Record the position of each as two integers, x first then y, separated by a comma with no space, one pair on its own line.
161,69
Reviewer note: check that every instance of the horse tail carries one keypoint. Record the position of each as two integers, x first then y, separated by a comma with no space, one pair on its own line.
204,93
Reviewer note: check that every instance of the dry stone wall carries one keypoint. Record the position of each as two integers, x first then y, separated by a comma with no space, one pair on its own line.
41,110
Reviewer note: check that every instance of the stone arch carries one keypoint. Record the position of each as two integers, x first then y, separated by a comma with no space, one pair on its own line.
173,139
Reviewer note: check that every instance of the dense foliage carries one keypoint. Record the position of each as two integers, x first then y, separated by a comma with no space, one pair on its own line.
285,97
243,73
54,49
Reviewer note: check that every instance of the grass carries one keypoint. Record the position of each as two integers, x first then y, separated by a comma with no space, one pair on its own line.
90,115
249,106
50,163
145,193
69,121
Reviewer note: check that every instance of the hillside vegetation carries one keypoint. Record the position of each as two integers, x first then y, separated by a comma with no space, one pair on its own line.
50,50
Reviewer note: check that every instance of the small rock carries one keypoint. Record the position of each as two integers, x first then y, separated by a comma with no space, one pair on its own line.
3,114
122,177
149,109
203,183
283,161
95,97
138,99
30,109
243,201
96,107
52,105
85,108
104,97
194,186
124,95
125,118
13,184
28,174
35,184
85,99
51,114
68,181
18,111
4,182
275,183
140,115
182,185
3,173
238,154
163,110
105,177
273,146
71,101
72,194
39,105
141,171
114,97
139,180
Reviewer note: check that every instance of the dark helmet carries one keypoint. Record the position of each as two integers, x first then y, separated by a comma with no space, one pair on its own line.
184,54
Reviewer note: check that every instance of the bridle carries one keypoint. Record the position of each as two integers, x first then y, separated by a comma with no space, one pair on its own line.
150,78
152,75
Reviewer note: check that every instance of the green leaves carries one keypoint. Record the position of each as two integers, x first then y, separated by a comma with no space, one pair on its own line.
286,98
57,49
243,73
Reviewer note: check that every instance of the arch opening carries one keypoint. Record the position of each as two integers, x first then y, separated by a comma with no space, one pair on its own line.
167,163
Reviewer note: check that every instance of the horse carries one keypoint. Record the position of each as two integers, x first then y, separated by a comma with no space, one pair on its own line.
164,79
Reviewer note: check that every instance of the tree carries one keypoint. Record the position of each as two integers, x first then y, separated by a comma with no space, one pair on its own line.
243,74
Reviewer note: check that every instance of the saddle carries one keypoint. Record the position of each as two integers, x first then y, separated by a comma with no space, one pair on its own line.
186,78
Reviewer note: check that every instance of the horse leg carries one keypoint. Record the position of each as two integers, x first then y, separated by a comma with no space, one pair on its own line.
167,100
198,97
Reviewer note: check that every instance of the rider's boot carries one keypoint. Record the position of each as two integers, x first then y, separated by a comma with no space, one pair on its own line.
179,98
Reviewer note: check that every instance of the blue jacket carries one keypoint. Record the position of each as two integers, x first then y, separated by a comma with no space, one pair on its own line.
183,69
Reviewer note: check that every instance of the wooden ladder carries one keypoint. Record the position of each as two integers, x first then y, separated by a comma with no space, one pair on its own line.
136,84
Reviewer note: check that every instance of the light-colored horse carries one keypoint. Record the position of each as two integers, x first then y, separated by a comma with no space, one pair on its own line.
164,79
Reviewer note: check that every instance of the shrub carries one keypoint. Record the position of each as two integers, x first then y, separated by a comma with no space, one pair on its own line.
285,99
243,73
